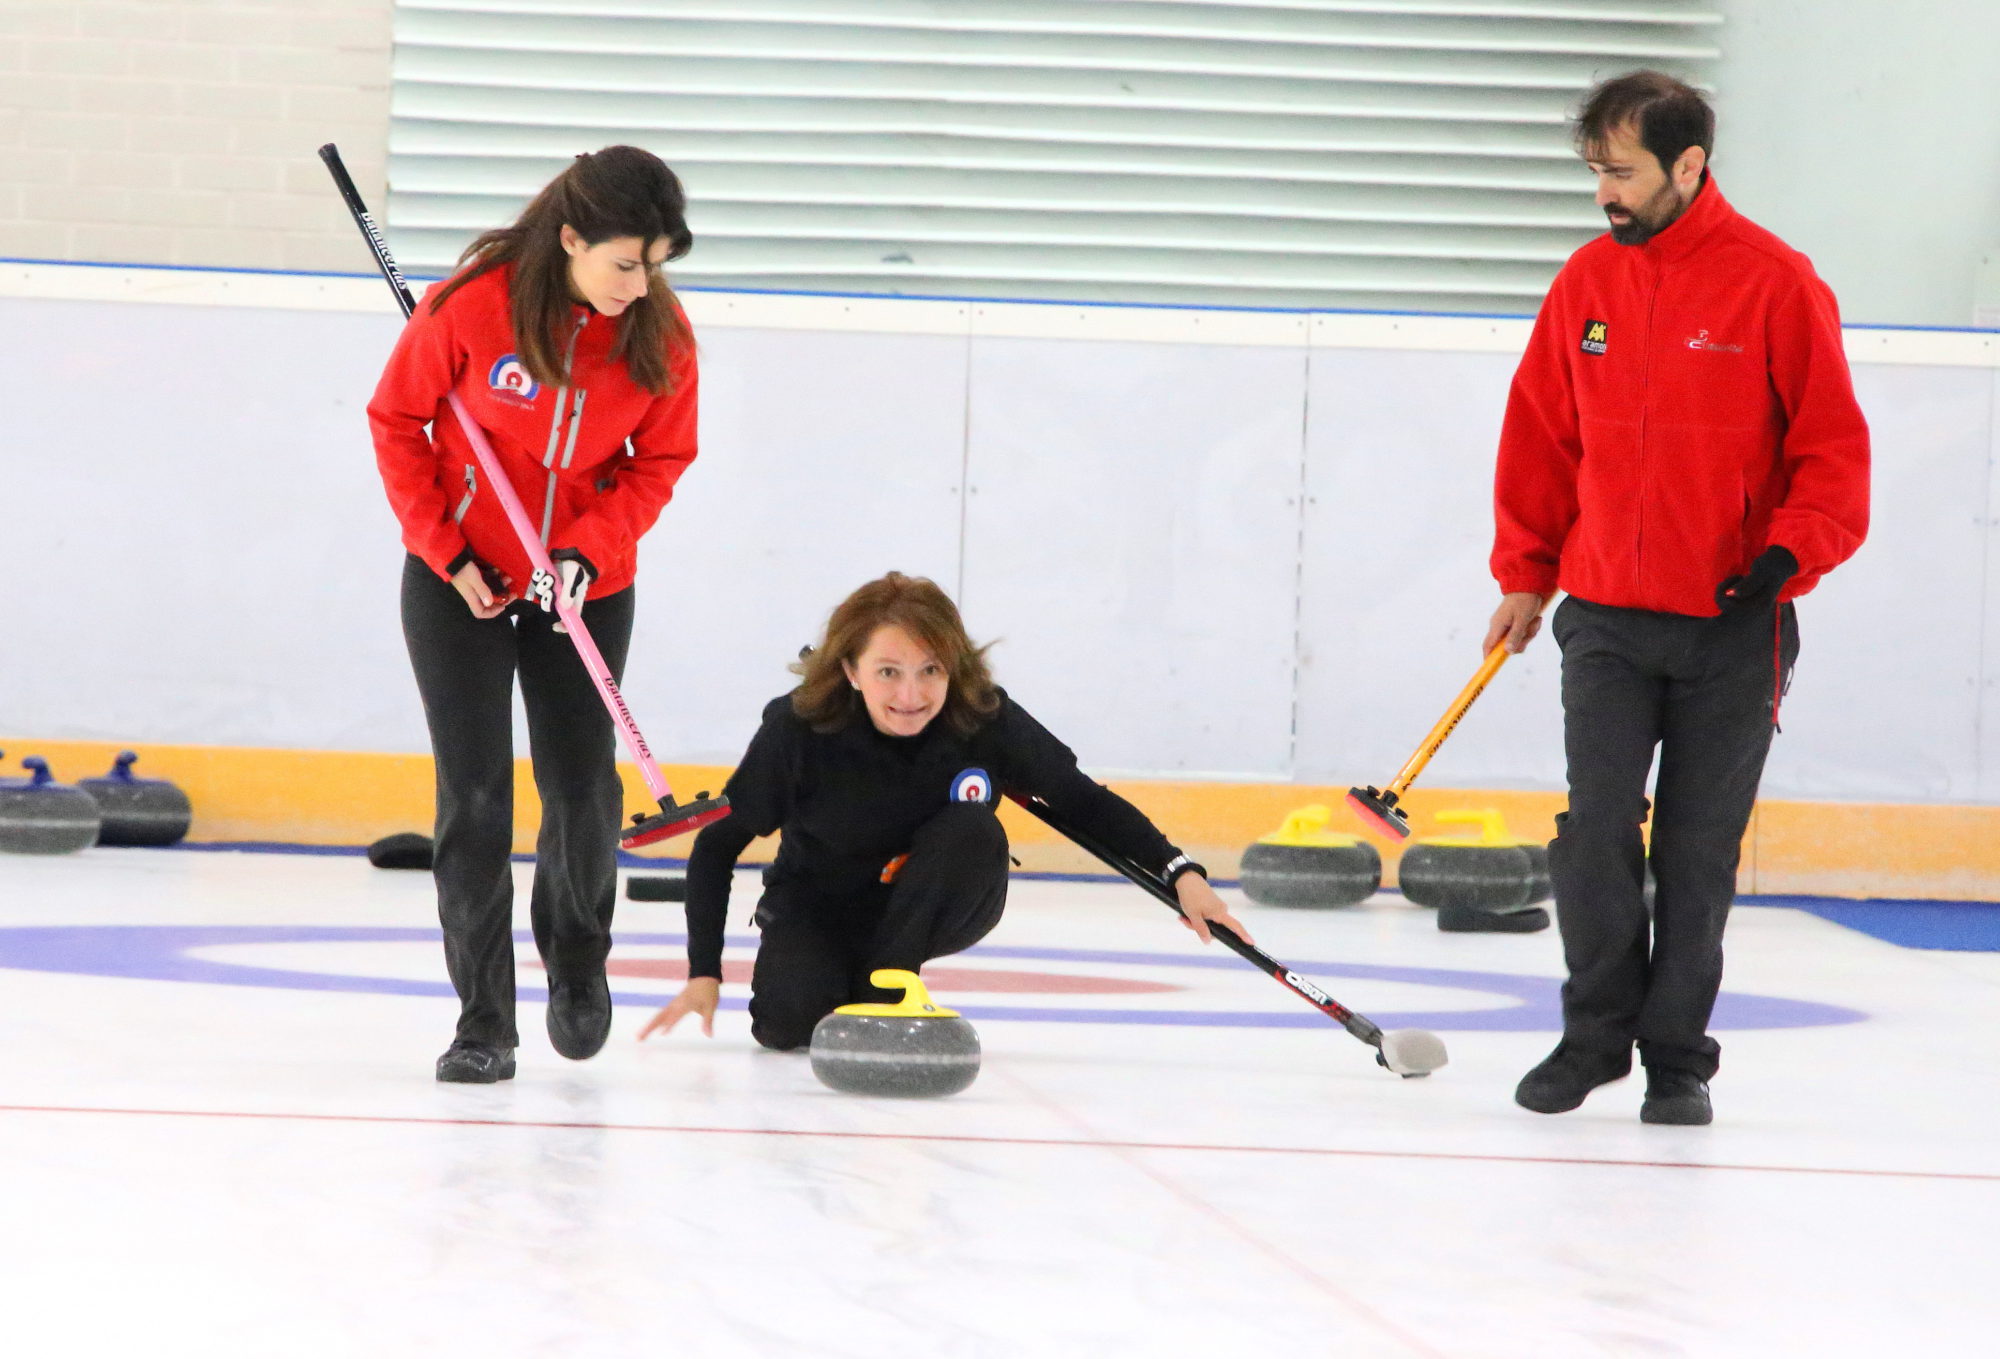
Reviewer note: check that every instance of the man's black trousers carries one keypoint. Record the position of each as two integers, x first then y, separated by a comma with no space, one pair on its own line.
1703,691
818,951
465,671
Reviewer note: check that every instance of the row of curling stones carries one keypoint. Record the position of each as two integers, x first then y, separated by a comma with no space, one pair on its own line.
1304,864
39,815
912,1049
1483,882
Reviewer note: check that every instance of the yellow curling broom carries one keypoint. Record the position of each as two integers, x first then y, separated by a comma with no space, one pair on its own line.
1379,807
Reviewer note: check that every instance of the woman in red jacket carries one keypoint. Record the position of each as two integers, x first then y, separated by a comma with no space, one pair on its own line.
564,341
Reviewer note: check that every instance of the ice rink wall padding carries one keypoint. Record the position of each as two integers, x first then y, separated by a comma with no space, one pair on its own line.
1237,557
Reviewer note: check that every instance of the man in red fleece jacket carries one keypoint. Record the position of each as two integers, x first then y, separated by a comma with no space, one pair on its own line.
1683,456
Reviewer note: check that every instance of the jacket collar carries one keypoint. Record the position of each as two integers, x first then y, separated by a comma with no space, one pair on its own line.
1709,212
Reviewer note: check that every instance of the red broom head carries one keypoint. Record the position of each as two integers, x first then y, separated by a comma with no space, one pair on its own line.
1379,811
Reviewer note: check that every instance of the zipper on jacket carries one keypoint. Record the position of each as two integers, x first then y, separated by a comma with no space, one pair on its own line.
1645,401
566,410
575,424
471,490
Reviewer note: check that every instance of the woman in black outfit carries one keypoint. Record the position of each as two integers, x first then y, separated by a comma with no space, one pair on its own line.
882,768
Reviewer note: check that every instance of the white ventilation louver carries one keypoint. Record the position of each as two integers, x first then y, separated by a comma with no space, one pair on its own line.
1323,154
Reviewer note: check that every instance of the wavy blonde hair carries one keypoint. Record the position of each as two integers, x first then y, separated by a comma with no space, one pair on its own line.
824,697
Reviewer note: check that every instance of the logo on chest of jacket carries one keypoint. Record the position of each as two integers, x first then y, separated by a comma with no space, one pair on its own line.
507,378
1702,342
1596,337
972,785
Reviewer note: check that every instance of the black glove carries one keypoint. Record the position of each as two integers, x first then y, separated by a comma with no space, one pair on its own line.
1759,587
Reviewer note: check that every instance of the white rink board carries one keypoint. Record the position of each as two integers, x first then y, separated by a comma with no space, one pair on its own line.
1885,702
1131,532
1395,592
802,491
192,481
198,545
1989,583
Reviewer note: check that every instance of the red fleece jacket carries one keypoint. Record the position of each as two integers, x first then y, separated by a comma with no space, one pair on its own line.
1682,406
593,461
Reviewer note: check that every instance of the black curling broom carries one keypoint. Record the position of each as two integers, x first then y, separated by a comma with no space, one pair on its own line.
1407,1052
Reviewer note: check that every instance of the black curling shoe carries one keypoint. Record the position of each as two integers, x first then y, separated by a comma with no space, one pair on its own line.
579,1017
1564,1078
466,1063
1678,1097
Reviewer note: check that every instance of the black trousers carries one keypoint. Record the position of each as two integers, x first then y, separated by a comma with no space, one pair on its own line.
818,949
1703,692
465,670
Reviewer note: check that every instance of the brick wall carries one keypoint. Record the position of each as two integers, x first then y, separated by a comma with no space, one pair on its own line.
184,131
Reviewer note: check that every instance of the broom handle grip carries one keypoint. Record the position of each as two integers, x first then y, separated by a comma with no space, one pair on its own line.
1428,747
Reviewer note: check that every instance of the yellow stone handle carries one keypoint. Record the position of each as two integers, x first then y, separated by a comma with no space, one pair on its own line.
1492,825
1300,824
915,1004
1306,827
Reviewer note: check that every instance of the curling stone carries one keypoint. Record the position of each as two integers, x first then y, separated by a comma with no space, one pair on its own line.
1540,886
405,849
1486,882
138,811
1302,863
40,816
912,1049
656,887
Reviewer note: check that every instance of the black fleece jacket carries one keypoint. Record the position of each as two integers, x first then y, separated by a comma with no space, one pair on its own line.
850,800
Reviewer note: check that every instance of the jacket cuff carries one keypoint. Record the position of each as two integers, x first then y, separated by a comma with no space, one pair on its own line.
457,564
1527,581
571,554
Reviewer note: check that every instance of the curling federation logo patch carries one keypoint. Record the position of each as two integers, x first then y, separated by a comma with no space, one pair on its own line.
508,378
973,785
1596,337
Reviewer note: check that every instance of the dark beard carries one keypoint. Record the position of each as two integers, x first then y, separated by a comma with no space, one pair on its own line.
1650,218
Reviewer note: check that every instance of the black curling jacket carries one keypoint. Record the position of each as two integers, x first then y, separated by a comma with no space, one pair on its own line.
850,800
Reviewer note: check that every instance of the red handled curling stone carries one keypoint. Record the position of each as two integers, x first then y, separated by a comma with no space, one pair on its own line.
40,816
138,811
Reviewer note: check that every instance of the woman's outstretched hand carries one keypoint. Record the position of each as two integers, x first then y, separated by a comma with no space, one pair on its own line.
698,997
1200,907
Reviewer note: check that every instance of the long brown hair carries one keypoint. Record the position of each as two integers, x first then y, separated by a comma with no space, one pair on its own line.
619,191
917,606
